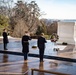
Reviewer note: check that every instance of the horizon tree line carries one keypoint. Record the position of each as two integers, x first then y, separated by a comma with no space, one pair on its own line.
24,16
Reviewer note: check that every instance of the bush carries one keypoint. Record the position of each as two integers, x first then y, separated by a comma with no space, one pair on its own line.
47,36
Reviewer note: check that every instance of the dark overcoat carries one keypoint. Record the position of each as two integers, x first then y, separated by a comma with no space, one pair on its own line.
25,43
5,37
41,43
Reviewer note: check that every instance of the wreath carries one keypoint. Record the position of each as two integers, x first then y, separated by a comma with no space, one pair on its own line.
54,37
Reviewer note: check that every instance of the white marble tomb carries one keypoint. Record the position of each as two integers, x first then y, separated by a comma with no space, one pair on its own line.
66,32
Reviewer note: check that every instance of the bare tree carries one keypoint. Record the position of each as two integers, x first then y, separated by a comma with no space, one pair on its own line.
25,17
6,7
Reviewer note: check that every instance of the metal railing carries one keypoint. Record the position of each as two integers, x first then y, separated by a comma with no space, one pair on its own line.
46,71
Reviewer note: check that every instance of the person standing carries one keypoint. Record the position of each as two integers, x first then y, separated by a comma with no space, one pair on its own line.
41,45
25,44
5,39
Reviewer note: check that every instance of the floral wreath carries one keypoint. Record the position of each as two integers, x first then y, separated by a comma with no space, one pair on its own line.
54,37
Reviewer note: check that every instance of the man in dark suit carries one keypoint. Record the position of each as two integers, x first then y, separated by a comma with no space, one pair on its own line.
25,44
41,45
5,39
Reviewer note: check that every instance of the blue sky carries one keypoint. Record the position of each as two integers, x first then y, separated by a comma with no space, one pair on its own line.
57,9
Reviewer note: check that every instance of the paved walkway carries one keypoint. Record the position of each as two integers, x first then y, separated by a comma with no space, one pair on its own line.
15,65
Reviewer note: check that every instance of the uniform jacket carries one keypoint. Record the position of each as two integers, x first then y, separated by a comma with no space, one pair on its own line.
5,37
